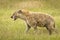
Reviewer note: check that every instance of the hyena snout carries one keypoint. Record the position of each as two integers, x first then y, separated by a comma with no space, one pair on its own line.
14,17
11,16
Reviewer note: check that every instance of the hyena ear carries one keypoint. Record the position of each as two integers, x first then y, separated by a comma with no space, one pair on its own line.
19,11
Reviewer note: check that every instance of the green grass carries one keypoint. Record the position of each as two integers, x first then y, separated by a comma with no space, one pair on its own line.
15,30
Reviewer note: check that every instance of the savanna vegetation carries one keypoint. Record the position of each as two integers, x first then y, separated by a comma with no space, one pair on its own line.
15,30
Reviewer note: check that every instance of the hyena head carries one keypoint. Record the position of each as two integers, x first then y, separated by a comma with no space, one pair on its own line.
16,14
19,14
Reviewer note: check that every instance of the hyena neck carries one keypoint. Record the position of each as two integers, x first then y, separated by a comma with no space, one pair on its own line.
27,14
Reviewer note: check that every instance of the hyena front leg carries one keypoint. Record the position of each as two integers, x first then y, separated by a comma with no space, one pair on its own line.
28,27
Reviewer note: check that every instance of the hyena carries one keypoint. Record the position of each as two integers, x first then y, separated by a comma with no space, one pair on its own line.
34,19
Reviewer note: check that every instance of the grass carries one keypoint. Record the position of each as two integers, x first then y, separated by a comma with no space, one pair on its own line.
15,30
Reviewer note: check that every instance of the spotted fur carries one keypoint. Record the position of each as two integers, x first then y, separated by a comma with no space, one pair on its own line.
34,19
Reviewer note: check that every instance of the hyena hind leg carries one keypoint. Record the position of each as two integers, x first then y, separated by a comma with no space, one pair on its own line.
49,30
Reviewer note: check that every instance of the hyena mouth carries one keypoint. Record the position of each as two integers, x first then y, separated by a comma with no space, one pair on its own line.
13,17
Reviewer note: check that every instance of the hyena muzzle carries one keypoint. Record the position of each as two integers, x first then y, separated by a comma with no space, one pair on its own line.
34,19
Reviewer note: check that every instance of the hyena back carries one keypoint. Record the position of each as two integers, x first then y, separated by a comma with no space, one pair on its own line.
34,19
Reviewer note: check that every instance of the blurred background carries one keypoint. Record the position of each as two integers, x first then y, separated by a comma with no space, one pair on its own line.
14,30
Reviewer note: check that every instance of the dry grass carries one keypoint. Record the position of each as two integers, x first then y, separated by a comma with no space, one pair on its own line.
14,30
